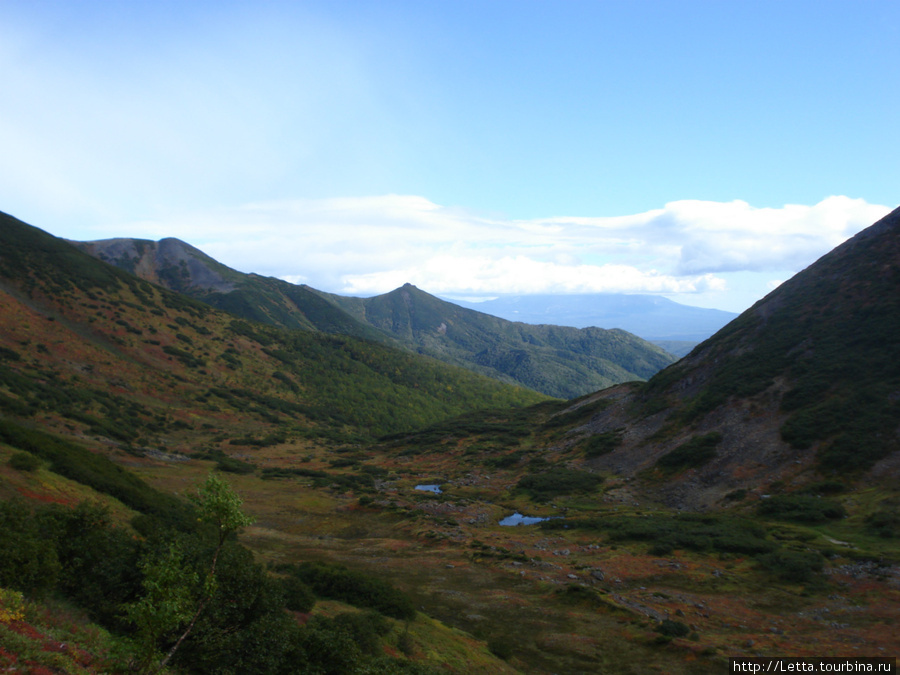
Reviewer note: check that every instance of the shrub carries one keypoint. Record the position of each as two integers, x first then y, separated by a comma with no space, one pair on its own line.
339,583
28,560
12,605
695,452
793,566
885,522
329,651
560,481
100,562
801,508
601,444
690,531
828,487
232,465
500,648
366,629
673,629
79,464
24,461
661,548
297,596
506,461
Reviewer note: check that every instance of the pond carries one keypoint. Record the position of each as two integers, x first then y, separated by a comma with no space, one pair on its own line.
436,489
518,519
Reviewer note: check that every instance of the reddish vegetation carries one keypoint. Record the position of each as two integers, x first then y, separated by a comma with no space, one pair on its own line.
45,497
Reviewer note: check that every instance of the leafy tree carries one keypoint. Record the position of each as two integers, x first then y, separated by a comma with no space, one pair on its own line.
244,628
28,560
218,505
168,603
100,563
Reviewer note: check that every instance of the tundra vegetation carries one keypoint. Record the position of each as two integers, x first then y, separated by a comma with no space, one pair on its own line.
119,400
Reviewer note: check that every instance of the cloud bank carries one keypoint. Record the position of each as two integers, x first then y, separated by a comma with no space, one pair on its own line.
371,245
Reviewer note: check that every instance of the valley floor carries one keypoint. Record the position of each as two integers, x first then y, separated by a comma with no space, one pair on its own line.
562,600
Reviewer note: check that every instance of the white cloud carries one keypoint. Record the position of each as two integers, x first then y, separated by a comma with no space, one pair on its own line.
370,245
520,275
697,237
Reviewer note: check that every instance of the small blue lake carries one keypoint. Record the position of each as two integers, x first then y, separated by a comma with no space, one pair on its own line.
436,489
518,519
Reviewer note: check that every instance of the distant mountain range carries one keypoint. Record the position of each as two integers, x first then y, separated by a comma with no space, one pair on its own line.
675,327
559,361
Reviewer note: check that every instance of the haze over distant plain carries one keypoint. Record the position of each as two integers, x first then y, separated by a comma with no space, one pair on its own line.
701,151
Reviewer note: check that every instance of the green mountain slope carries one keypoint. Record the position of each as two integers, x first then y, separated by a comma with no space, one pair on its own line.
87,346
181,267
560,361
804,383
557,361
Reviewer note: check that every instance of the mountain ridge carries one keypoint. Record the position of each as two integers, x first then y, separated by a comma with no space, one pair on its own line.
558,361
653,318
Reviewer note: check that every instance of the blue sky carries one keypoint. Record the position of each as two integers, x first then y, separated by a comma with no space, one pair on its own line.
703,150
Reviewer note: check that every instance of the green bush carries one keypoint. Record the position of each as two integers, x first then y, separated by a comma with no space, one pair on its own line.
339,583
98,472
365,628
328,651
673,629
501,648
885,522
297,596
802,508
24,461
545,486
793,566
232,465
695,452
827,487
662,548
506,461
601,444
100,570
689,531
9,354
28,559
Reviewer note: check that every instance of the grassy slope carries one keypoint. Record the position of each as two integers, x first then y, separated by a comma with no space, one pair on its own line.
51,634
